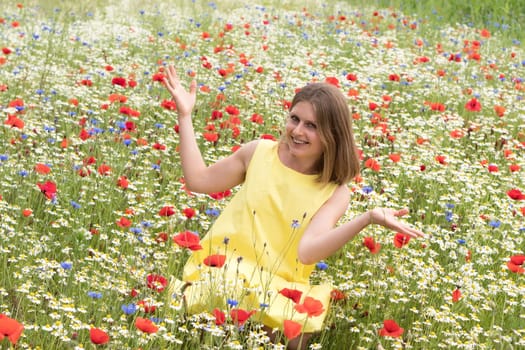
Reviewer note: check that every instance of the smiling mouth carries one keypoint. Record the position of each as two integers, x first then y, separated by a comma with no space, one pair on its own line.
299,142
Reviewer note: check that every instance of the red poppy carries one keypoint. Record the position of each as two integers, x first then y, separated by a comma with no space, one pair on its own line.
169,105
310,306
220,195
515,263
167,210
89,160
159,146
117,98
98,336
156,282
49,189
500,110
441,160
436,106
161,237
104,170
395,157
493,168
514,167
146,306
146,325
240,316
122,182
293,294
515,268
518,259
473,105
42,169
394,77
268,137
456,295
232,110
10,328
291,329
456,134
337,295
372,106
27,212
211,136
188,240
119,81
124,222
215,114
215,260
373,164
189,212
158,77
401,239
220,317
390,329
333,81
371,244
14,121
516,194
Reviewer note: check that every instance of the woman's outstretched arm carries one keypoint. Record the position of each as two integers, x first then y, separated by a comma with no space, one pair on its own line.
321,238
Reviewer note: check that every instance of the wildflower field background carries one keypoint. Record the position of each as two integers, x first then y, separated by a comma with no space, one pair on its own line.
92,193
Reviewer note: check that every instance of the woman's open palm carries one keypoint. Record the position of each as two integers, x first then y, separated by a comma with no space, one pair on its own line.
185,100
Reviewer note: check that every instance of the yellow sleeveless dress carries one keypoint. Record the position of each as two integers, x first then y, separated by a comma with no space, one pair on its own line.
249,256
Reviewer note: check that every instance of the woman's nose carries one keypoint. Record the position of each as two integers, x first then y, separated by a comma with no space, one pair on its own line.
298,128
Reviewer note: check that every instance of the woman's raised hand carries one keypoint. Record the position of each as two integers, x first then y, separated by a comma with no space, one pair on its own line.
185,100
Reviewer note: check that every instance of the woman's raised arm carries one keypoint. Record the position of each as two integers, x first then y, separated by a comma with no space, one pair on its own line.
222,175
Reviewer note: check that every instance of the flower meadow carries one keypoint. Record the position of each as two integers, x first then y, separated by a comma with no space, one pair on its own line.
95,218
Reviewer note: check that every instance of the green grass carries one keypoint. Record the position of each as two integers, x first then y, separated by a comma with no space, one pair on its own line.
461,204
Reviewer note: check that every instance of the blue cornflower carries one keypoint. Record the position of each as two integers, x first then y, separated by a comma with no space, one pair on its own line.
23,173
94,295
495,223
461,241
3,157
367,189
449,215
136,230
75,204
321,265
212,212
129,309
66,265
232,302
450,205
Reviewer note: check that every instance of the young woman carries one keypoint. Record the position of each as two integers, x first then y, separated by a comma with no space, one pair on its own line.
261,250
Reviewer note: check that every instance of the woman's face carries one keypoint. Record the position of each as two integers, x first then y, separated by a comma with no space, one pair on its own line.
302,132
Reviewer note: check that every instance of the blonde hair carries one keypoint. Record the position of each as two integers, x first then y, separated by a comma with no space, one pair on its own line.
339,162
